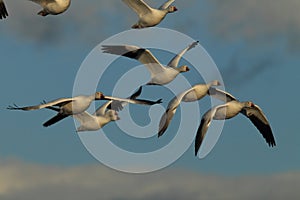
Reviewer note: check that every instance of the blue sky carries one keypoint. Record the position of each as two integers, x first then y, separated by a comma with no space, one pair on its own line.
255,47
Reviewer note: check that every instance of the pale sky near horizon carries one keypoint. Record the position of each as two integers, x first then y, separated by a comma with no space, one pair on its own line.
255,45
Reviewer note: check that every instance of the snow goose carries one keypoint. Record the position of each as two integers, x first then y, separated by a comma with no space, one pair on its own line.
230,109
104,114
160,75
148,16
100,118
65,106
195,93
52,7
3,11
75,105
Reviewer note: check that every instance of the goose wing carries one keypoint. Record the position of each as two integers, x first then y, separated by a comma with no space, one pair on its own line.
174,62
221,95
58,102
43,2
138,6
170,111
258,118
119,105
55,119
84,117
133,101
102,109
205,123
142,55
3,11
166,4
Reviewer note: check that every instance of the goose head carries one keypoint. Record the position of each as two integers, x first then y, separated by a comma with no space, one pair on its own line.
183,68
248,104
172,9
99,95
215,83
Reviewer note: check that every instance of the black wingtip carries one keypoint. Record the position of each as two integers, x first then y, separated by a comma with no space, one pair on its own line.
54,120
13,107
196,150
159,101
272,143
160,133
3,11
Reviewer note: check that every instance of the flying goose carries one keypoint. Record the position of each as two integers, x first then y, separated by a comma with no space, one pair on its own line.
52,7
104,114
3,11
230,109
160,75
195,93
75,105
100,118
148,16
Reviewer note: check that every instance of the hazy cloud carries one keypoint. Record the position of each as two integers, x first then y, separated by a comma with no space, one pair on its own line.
20,180
258,21
242,70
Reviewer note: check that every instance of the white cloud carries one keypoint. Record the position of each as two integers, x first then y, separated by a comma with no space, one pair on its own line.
19,180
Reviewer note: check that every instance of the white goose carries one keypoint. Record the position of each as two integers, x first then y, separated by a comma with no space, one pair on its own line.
100,118
160,75
148,16
104,114
195,93
3,11
230,109
75,105
52,7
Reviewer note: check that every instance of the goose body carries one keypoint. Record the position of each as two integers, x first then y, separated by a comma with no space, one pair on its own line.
96,121
52,7
75,105
195,93
160,75
149,16
106,113
230,109
64,106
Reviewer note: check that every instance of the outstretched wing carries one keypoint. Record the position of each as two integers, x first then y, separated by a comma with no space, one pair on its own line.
175,61
119,105
169,113
133,101
258,118
43,2
137,53
102,109
55,119
221,95
205,123
138,6
166,5
58,102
